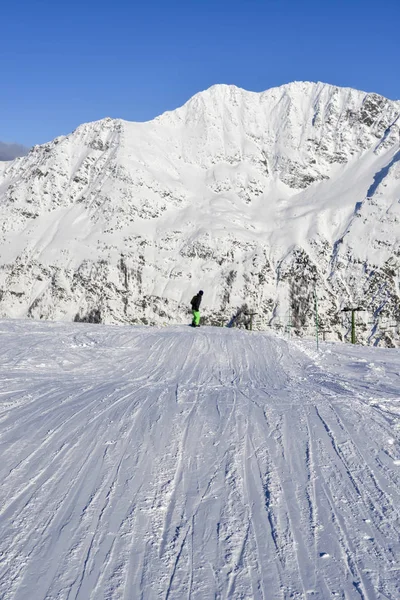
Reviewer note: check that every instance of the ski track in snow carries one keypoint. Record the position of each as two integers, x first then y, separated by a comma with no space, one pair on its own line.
141,463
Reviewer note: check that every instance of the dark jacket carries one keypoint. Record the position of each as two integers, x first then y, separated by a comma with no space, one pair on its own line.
196,301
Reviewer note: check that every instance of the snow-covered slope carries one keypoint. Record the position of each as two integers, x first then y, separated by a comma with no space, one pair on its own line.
215,463
256,198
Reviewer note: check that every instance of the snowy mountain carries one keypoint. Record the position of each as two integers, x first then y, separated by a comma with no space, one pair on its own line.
131,469
258,199
11,151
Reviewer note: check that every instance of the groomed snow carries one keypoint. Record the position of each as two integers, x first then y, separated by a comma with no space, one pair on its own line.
214,463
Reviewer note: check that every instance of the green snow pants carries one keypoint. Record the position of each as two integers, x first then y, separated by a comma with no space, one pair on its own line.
196,318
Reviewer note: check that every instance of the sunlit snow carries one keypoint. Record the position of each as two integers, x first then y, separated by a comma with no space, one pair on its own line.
241,193
140,462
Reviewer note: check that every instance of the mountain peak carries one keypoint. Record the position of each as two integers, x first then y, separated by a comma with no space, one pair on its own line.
254,196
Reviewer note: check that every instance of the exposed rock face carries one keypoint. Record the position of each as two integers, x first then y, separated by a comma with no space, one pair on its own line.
259,199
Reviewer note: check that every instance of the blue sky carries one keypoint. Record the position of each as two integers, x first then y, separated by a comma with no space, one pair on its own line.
62,64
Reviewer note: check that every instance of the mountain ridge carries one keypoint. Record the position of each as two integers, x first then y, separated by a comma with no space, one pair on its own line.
10,151
235,191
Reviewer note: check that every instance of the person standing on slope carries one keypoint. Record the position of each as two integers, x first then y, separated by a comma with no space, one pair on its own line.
195,302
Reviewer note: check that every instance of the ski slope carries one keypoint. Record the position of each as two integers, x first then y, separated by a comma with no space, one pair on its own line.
140,463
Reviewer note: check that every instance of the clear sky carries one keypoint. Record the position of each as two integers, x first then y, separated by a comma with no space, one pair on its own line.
62,64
